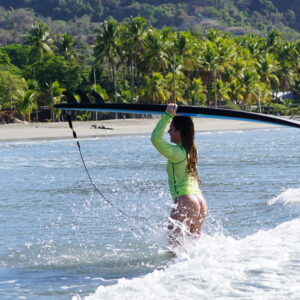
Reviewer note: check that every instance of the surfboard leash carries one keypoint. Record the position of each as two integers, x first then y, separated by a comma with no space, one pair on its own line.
90,178
95,186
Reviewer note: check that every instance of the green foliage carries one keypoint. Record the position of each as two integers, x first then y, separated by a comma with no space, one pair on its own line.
66,48
296,88
18,54
156,89
54,68
196,92
11,87
135,62
84,116
39,39
11,69
28,102
279,109
99,90
231,105
4,58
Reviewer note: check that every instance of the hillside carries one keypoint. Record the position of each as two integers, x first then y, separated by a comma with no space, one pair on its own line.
81,17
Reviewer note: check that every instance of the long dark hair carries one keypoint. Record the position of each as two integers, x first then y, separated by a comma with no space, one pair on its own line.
187,132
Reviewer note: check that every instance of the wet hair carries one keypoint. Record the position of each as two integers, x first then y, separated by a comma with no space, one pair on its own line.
187,132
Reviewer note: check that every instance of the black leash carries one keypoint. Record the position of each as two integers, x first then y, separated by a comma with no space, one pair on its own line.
97,189
90,178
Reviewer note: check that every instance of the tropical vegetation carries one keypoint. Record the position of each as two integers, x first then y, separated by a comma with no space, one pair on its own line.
134,62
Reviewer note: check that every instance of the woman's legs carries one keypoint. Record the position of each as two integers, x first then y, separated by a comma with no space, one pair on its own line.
196,226
189,214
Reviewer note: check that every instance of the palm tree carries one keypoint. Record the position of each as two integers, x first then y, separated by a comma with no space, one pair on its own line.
248,81
39,39
28,103
262,94
221,90
106,49
289,61
131,39
66,48
254,44
267,66
235,91
227,55
55,92
196,92
286,75
34,86
155,58
156,89
184,46
208,61
216,60
214,35
10,87
236,68
177,83
272,41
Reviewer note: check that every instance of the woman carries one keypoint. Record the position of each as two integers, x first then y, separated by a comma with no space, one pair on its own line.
190,208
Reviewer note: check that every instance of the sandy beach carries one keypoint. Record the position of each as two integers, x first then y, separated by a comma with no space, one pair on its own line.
106,128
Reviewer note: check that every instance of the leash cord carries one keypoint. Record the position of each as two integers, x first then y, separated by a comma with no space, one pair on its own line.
90,178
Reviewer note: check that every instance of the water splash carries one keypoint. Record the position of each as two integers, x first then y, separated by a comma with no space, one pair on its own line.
263,265
288,196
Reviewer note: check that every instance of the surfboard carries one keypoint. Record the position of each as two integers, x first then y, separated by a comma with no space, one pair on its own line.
191,111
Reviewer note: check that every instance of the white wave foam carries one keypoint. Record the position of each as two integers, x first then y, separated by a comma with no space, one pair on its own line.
264,265
288,196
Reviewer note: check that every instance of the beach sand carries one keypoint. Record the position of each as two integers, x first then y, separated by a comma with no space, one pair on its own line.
106,128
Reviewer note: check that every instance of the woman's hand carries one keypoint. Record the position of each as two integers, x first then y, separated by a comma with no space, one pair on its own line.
171,109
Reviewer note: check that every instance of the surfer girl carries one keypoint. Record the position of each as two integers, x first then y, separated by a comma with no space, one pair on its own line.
189,209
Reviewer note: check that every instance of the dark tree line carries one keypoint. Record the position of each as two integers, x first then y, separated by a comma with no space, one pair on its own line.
261,15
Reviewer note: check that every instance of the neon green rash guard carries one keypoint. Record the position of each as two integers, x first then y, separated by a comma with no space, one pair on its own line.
180,181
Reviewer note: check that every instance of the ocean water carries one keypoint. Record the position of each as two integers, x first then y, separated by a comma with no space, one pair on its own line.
60,240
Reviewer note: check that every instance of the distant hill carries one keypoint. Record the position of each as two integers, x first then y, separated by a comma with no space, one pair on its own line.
236,16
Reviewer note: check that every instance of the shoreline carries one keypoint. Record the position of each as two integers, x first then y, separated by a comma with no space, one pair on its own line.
17,132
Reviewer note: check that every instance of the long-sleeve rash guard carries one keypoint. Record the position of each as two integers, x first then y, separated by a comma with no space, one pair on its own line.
181,182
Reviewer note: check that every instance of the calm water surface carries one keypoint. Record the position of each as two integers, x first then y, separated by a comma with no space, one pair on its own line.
60,240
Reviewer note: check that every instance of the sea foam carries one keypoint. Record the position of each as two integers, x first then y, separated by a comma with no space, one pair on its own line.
288,196
264,265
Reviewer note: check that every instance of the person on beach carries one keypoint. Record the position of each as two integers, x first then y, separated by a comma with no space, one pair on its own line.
189,209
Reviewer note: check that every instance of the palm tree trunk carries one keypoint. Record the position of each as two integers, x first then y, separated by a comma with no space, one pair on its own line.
51,96
215,92
132,78
95,84
174,85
